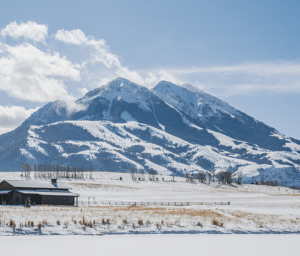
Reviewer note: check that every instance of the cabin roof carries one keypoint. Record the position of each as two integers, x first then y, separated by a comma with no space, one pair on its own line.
37,184
48,193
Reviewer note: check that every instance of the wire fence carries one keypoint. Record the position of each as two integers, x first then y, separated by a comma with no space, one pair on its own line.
150,203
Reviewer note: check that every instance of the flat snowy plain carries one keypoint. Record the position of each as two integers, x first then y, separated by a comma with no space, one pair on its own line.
253,209
149,245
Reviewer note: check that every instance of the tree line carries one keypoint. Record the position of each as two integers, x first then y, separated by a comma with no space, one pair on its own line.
225,177
56,171
140,175
268,182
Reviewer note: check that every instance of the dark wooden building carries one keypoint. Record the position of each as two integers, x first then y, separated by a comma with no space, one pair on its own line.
15,192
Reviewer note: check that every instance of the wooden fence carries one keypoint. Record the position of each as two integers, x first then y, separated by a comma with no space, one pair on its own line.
151,203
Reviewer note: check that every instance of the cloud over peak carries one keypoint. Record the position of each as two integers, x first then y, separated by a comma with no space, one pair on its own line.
13,116
30,30
28,73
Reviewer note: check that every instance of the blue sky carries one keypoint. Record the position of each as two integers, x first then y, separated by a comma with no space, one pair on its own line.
244,52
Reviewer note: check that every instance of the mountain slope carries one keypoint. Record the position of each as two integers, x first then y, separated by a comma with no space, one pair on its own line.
208,110
170,129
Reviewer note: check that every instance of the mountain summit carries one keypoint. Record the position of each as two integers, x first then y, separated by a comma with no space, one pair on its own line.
171,128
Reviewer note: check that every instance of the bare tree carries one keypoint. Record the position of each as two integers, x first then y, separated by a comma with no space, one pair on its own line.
213,174
152,174
209,176
227,177
187,177
219,177
224,177
201,176
192,178
91,172
142,174
133,171
173,177
239,177
25,169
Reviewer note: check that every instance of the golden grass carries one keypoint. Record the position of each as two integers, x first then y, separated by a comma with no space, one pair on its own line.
137,216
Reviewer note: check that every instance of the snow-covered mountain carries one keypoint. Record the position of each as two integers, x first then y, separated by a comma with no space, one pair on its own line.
172,129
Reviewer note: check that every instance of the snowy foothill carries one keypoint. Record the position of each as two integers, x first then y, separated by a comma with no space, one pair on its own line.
253,208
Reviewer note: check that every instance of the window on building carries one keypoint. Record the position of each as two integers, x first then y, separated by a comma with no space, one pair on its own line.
65,199
50,199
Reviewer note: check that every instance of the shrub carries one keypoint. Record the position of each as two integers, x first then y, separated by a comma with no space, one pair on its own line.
140,222
11,222
217,223
199,224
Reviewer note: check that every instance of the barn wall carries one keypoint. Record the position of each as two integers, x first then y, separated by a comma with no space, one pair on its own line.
17,195
58,200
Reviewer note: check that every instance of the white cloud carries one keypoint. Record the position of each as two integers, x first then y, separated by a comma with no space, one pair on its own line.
83,91
30,30
28,73
244,78
13,116
75,36
110,65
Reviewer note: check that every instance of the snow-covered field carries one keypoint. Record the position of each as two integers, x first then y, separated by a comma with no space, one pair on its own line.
252,209
149,245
